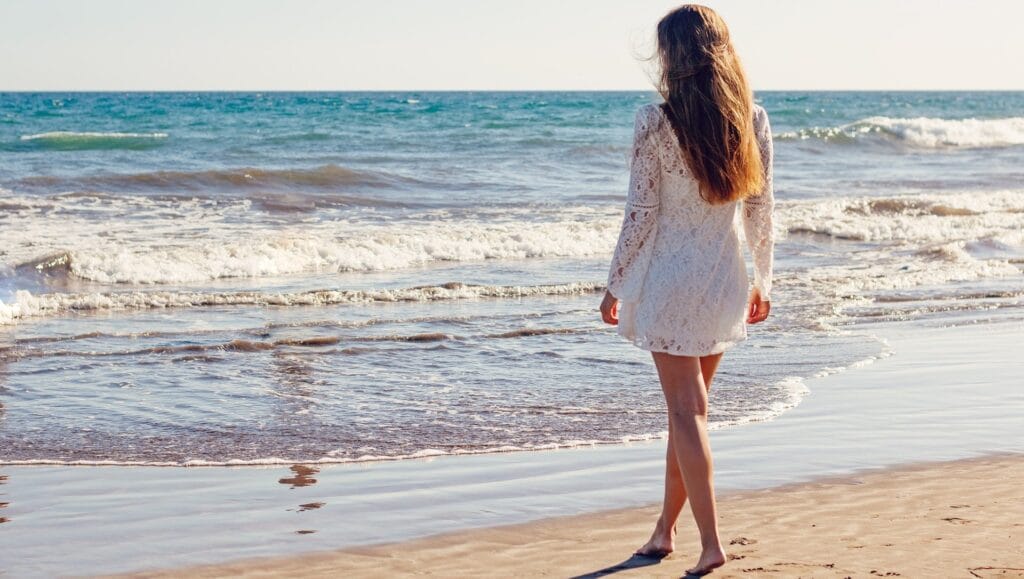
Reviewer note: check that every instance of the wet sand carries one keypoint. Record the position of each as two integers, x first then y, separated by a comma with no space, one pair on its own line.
953,519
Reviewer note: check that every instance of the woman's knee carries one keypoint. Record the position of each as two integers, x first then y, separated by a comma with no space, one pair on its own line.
686,405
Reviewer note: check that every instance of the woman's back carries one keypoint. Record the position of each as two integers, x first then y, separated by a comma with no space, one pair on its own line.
678,267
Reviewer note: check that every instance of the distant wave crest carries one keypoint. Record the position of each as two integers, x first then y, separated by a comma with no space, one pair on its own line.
323,178
921,132
77,141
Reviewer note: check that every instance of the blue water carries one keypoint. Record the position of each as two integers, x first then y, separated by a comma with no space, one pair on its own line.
470,146
201,278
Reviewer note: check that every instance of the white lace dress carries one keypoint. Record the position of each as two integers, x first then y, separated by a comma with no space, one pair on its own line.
678,269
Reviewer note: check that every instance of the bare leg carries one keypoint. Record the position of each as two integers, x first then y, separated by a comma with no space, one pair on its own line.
662,541
686,395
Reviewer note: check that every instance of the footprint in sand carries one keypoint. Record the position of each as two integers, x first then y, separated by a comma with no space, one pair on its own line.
1004,572
742,541
957,520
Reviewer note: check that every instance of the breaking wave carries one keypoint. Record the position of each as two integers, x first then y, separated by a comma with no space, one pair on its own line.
921,132
325,248
918,219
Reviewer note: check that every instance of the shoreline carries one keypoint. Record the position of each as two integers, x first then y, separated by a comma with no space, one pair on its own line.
857,531
900,410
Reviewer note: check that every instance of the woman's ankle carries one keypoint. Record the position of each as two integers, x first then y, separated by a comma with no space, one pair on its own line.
712,542
663,527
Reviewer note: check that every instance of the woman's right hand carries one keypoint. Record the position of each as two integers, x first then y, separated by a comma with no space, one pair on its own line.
610,309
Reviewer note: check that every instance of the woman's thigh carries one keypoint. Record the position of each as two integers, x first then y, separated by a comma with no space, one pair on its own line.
682,381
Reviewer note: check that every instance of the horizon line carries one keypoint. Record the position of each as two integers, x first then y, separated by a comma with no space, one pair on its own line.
486,90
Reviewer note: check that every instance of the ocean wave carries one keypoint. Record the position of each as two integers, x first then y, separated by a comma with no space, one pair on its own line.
244,345
79,141
27,305
918,219
363,249
323,178
921,132
909,240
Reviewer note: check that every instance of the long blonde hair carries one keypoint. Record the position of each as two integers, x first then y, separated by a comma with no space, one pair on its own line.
709,103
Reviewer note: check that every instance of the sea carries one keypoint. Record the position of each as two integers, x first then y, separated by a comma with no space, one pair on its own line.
199,279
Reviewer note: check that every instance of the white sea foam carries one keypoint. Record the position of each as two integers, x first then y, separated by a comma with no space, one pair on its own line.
791,390
367,249
918,240
152,247
927,218
26,305
924,132
152,241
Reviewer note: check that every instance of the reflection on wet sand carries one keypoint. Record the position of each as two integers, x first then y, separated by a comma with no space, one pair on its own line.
3,505
303,476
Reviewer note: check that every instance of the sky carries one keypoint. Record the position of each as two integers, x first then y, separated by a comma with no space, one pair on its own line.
495,44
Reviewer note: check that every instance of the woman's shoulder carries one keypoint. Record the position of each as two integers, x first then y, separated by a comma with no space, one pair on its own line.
649,116
650,109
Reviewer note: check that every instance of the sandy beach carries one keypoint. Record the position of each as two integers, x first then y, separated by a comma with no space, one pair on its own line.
951,519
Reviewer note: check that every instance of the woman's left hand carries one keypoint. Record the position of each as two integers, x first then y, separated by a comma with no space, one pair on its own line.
610,309
757,308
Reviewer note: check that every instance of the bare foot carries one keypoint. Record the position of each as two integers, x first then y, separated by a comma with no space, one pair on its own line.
661,543
710,559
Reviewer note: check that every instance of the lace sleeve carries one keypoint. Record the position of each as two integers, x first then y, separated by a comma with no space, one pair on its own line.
757,212
639,226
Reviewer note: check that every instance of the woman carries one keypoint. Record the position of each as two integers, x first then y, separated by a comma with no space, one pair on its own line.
678,281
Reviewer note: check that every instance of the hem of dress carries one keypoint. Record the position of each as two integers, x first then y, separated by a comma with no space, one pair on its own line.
717,349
